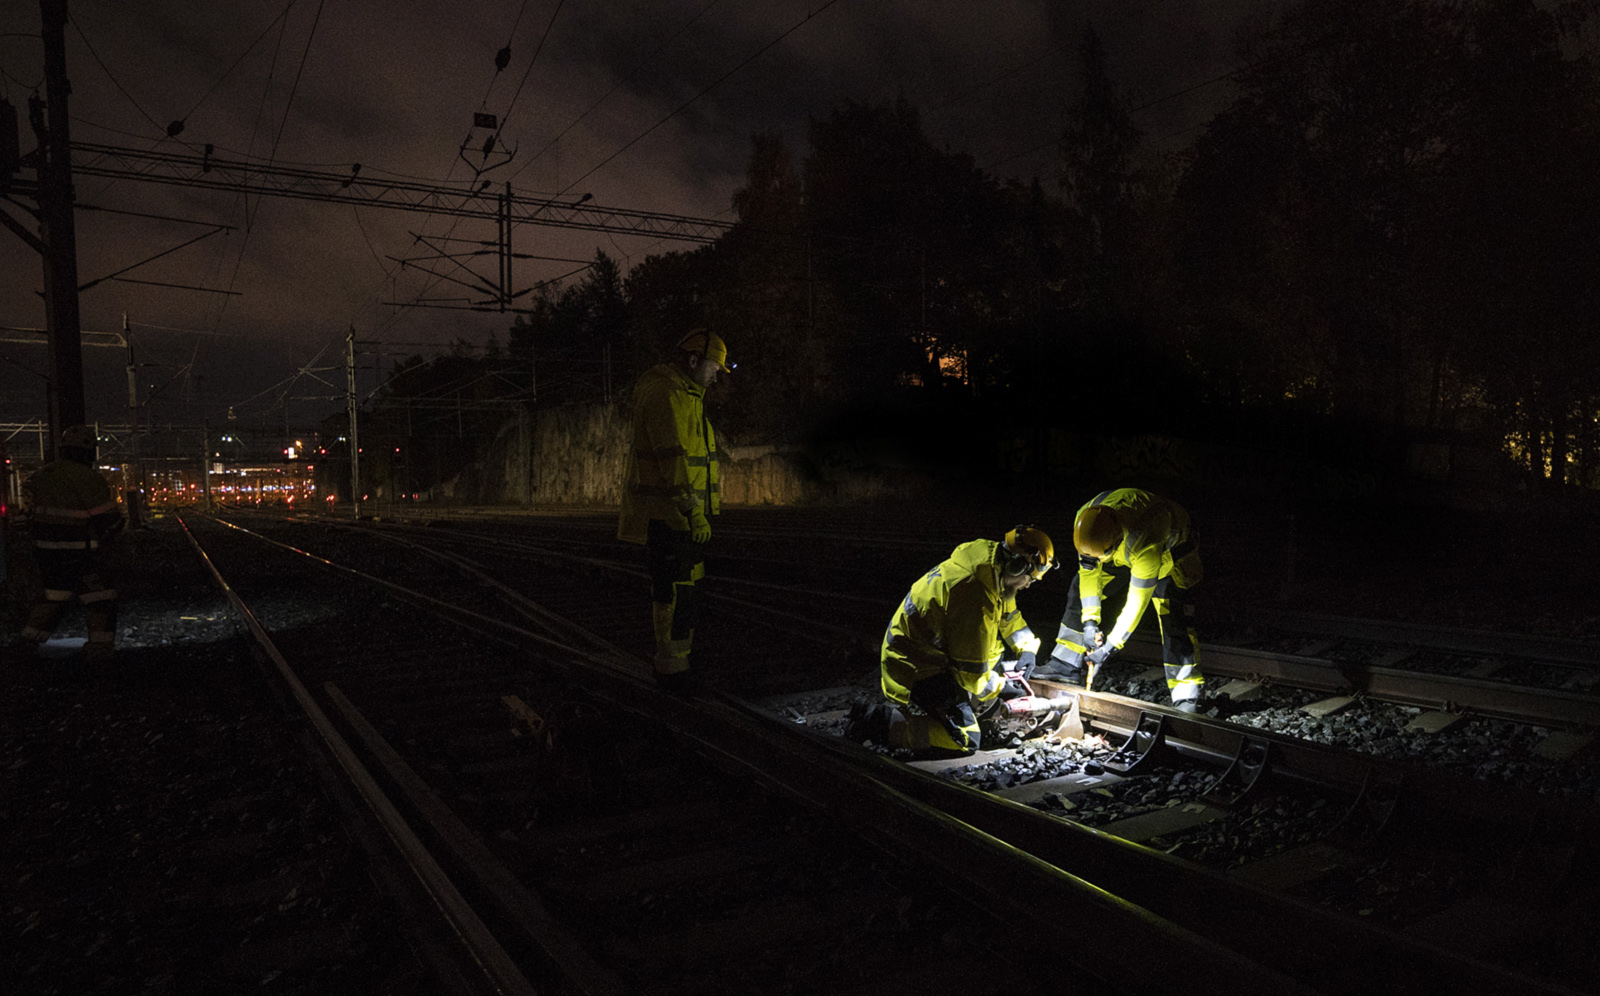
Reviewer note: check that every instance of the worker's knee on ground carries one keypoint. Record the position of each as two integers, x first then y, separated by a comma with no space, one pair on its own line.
934,733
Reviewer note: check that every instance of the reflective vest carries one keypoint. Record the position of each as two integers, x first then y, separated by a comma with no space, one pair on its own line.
69,507
956,618
672,461
1152,527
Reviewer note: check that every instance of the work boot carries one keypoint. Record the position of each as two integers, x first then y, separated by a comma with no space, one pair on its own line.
1057,670
867,721
1205,705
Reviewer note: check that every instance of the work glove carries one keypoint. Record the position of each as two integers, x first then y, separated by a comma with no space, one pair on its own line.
1026,662
1091,635
1099,655
699,527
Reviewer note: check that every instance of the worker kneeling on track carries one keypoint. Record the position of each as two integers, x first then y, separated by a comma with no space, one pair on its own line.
1147,539
942,651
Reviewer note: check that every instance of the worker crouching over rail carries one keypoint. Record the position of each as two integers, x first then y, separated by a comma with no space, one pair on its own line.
942,651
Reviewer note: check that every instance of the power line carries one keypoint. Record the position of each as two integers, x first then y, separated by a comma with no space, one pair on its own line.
109,74
637,69
713,85
305,53
526,73
229,71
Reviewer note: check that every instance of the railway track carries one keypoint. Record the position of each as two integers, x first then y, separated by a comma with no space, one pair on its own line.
1278,935
684,849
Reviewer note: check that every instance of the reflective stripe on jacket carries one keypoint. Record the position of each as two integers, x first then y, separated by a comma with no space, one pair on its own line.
672,460
957,617
1152,527
69,507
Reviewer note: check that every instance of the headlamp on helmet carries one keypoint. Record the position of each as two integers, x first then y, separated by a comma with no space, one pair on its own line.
706,345
1029,551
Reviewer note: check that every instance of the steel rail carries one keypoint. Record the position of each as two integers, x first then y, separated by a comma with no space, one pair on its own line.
811,626
477,621
1446,693
1443,793
1333,951
1291,758
1521,646
479,944
1120,934
500,543
514,900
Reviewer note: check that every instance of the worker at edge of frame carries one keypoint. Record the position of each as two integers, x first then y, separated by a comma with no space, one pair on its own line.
1147,539
943,651
71,519
669,493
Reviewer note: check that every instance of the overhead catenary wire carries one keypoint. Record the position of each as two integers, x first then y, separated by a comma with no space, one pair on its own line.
505,52
395,316
109,74
242,55
810,15
276,140
294,88
255,128
637,69
531,63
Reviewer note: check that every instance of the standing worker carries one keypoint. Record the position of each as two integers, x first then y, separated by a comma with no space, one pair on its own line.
1148,539
945,643
71,516
670,491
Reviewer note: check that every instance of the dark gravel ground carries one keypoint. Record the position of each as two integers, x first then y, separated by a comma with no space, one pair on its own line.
161,826
161,830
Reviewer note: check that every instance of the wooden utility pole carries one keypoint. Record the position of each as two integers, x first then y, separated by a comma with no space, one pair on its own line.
56,227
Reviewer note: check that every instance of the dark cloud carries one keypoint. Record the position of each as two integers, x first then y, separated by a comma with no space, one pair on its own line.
393,86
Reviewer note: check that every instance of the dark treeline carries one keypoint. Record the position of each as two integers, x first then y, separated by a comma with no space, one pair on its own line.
1387,237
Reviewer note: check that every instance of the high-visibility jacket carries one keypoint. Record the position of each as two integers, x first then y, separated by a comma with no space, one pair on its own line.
1152,527
69,507
956,618
672,462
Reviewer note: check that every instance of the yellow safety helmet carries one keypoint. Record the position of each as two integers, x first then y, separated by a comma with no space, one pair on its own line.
1029,550
1097,531
79,437
707,346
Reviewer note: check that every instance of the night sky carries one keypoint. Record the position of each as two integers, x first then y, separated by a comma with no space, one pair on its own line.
393,86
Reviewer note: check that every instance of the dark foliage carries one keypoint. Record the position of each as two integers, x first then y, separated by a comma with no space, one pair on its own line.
1385,239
